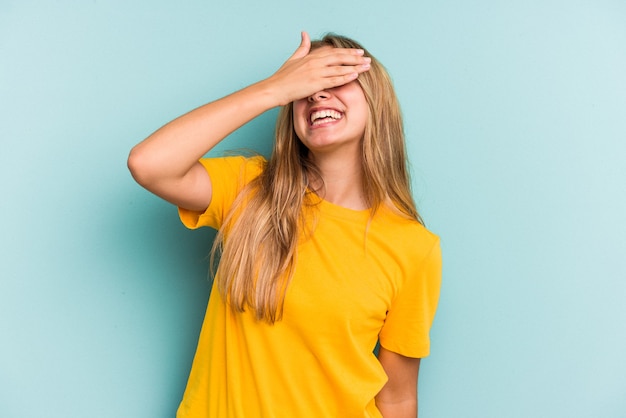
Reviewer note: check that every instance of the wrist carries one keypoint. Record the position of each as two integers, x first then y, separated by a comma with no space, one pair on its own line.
271,92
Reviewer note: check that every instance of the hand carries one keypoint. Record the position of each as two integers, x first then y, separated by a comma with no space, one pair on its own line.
306,72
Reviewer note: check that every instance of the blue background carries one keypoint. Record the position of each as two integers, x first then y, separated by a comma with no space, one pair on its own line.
516,121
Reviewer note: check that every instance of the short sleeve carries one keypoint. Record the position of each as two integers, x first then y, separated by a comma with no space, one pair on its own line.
229,175
406,330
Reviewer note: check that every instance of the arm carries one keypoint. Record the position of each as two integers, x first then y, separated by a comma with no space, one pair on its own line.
398,398
166,163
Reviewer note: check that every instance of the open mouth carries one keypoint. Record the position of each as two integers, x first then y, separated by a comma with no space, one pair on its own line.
320,117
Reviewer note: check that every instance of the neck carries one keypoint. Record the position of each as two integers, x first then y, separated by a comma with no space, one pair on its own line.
341,180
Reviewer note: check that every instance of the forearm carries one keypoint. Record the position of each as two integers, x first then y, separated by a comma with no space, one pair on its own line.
398,398
173,149
400,409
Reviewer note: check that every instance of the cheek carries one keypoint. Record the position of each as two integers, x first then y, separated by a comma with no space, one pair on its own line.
361,116
298,108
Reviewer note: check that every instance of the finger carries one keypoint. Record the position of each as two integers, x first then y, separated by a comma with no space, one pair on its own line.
340,80
304,48
343,70
331,52
345,57
338,76
337,62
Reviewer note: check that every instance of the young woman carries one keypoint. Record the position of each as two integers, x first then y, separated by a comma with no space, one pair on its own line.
323,253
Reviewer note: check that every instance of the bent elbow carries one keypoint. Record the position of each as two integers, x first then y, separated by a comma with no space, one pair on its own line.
139,167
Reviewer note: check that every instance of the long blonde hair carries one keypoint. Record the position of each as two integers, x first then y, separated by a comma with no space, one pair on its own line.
258,242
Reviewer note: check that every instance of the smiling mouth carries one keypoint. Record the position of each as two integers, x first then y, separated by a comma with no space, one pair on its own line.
324,116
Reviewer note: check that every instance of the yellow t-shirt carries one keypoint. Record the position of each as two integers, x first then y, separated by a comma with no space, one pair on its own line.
349,289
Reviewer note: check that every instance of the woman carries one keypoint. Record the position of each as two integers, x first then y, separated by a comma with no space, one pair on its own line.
323,253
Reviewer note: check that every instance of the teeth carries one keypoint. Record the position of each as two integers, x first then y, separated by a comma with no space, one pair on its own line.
321,114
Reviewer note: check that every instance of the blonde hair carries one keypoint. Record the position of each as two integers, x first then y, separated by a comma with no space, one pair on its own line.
258,243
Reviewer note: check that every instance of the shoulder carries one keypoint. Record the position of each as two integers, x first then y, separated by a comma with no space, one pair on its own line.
407,235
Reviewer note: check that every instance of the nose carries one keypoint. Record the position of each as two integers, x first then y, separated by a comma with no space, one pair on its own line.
320,95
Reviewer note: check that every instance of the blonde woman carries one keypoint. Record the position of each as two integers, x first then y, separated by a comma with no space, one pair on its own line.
322,252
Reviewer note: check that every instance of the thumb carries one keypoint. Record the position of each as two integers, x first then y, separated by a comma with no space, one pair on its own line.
304,48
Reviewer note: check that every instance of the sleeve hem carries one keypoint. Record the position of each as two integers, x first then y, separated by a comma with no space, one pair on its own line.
190,219
414,352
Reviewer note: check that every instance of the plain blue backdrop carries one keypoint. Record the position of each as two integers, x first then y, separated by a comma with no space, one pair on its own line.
516,122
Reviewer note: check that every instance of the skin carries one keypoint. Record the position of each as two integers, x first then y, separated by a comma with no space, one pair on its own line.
166,163
335,145
398,398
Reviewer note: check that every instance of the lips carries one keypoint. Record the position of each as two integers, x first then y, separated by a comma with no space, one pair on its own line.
322,116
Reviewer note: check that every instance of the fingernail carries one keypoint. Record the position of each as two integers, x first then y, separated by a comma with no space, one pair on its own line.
359,51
